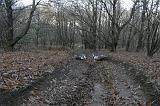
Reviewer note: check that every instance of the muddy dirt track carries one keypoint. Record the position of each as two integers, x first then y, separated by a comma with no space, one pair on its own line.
84,83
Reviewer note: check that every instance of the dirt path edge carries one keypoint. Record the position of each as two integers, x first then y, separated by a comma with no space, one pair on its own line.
151,89
10,98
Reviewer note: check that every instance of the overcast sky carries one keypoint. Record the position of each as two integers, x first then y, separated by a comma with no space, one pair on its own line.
126,3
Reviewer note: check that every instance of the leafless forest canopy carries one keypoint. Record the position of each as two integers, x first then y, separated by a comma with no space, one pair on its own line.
91,24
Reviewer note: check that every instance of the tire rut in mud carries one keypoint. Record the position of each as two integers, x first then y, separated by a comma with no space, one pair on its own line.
147,90
81,83
128,91
74,84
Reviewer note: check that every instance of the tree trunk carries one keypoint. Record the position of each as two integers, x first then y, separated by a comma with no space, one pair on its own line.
141,35
10,41
9,34
113,36
94,27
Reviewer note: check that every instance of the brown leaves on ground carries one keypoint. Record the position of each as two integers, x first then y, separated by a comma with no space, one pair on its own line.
150,65
20,68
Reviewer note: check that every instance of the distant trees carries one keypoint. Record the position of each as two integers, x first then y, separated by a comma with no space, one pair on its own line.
153,28
117,21
86,17
148,27
94,24
94,13
142,25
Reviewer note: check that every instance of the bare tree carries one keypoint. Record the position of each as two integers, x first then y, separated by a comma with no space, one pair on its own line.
115,16
10,40
152,31
143,18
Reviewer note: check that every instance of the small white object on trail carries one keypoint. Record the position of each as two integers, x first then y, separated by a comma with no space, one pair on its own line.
80,57
99,57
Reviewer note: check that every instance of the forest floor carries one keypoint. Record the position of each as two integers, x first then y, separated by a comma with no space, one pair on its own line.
65,81
149,64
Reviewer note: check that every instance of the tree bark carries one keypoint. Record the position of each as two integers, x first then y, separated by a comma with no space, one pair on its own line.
141,35
10,40
9,32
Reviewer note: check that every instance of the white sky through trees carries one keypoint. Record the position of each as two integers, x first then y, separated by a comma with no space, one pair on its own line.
125,3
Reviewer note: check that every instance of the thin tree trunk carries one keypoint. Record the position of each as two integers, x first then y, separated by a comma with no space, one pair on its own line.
11,42
141,35
9,34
